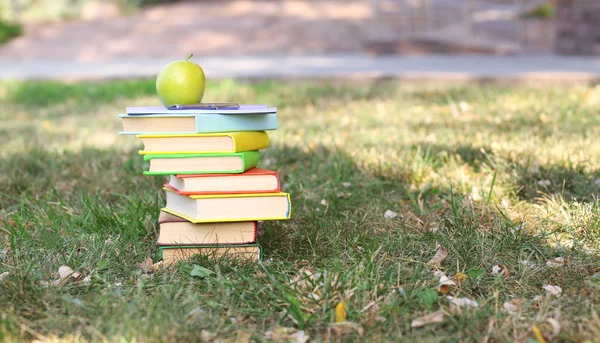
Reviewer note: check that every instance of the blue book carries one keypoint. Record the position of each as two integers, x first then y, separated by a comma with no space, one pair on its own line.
157,120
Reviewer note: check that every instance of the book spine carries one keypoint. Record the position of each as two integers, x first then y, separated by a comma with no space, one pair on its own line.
278,189
289,212
255,231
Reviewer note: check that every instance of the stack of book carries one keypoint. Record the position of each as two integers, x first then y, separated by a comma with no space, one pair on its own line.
216,194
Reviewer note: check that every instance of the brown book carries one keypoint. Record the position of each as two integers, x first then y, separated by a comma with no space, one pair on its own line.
172,254
175,230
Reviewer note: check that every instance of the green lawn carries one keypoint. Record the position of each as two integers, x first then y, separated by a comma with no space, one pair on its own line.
495,175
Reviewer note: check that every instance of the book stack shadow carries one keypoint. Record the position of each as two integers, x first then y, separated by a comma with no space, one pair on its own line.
216,193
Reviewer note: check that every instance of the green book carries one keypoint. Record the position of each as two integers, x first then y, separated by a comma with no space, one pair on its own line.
174,164
171,254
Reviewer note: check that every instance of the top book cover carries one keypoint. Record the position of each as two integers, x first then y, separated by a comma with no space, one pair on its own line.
243,109
160,120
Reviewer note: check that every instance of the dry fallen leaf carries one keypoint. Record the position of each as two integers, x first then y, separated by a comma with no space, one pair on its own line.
459,278
434,317
513,306
64,273
535,301
344,328
444,284
544,183
243,337
552,290
3,276
157,266
439,256
556,262
346,184
324,202
500,269
146,266
390,214
340,312
462,302
555,327
87,280
207,336
285,334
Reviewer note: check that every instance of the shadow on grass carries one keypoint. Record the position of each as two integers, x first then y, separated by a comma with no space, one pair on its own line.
96,213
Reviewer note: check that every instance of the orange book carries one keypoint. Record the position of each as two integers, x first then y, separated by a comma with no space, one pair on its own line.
254,180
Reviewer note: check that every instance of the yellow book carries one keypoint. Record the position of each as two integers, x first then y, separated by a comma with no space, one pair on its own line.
204,143
229,207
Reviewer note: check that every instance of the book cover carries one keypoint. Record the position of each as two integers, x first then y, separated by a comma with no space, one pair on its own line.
249,159
178,231
206,184
181,123
229,207
213,142
242,110
174,253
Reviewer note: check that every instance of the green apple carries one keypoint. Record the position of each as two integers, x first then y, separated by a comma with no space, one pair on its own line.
180,82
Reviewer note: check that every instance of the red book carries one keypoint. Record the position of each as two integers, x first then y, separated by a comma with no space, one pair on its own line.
254,180
178,231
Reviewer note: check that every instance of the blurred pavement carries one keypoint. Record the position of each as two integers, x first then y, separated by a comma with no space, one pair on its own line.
450,67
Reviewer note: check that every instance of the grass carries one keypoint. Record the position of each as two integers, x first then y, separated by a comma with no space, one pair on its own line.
9,31
496,175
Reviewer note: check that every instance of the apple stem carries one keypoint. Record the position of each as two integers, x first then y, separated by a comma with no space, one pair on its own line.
189,57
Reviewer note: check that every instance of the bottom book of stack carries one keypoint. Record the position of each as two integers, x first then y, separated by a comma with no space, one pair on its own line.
180,239
216,215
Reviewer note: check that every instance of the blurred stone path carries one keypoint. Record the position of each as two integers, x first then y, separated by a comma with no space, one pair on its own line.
211,28
436,67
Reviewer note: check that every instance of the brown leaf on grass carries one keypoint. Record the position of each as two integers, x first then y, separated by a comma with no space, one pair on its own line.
439,256
500,269
434,317
3,276
556,262
444,284
146,266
